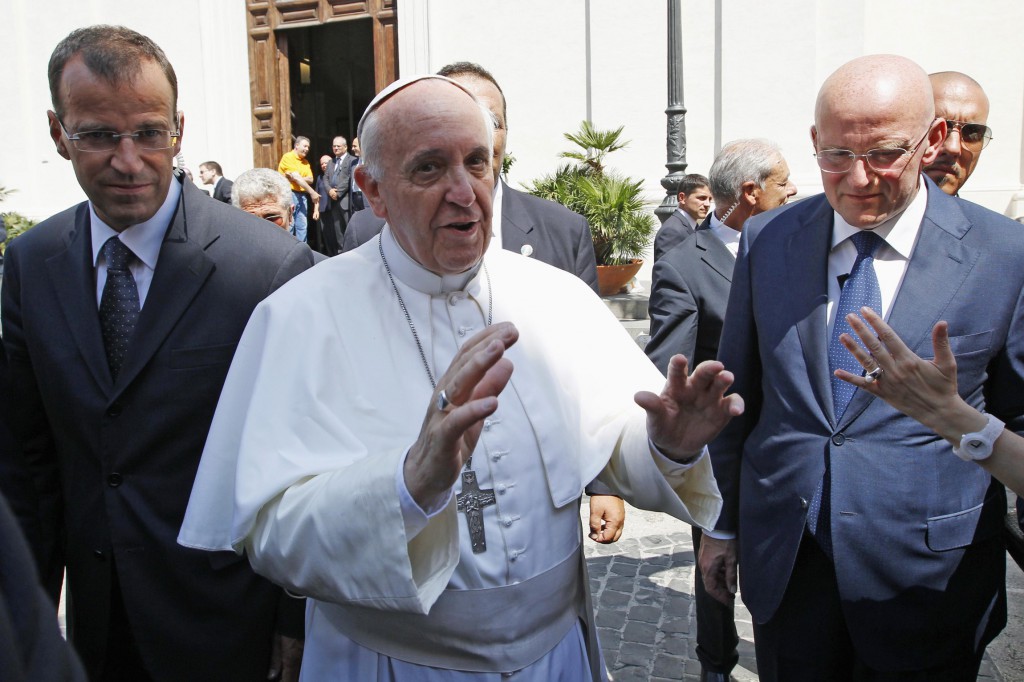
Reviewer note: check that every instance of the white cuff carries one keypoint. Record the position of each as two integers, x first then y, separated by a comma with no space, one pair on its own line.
414,516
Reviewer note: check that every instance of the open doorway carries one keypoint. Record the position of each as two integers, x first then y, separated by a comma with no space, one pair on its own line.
330,79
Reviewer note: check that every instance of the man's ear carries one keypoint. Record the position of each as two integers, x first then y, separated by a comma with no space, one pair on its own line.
371,191
181,131
57,136
936,136
748,193
814,139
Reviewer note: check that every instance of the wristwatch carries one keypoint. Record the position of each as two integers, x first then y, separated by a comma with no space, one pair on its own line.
978,445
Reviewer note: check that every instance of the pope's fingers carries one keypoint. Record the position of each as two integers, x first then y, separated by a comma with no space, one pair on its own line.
461,380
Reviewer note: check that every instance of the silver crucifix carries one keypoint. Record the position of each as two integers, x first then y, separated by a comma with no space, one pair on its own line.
472,501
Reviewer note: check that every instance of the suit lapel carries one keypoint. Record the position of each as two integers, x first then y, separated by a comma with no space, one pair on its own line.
938,267
72,274
515,223
181,270
807,268
714,252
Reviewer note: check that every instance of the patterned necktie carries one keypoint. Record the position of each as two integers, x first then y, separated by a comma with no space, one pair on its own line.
119,304
861,289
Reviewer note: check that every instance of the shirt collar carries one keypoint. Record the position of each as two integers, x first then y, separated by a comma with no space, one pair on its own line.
411,273
143,239
899,232
725,234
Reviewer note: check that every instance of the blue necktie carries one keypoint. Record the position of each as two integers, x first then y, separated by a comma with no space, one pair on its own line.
861,289
119,304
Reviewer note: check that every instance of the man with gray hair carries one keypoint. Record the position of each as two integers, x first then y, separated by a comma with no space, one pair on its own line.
689,293
444,384
265,194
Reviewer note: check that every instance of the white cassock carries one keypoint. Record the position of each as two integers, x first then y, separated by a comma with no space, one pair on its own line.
326,393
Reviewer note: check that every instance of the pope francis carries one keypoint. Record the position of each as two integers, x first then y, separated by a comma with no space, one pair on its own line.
417,471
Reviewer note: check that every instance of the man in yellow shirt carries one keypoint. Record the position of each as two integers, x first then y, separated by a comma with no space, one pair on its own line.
295,166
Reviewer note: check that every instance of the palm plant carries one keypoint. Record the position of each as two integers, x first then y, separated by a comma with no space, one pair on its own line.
613,204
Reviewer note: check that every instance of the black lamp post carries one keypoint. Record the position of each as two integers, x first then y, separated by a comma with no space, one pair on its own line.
675,139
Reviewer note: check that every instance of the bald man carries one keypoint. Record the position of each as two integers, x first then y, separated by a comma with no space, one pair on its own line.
962,103
870,549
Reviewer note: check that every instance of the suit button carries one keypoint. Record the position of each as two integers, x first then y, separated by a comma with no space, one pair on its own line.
115,479
100,556
114,410
803,503
838,439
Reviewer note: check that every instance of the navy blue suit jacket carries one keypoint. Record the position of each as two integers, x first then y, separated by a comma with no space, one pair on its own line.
113,462
915,530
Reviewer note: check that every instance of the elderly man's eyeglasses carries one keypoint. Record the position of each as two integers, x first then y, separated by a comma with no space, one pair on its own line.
881,160
108,140
973,135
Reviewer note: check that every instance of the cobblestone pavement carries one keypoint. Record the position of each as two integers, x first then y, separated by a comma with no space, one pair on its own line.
643,594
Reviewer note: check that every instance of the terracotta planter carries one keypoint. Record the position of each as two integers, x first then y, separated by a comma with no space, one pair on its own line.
612,279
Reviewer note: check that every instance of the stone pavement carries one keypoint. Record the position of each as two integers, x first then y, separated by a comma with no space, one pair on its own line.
643,594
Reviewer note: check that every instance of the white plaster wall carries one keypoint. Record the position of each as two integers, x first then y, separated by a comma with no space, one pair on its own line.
751,69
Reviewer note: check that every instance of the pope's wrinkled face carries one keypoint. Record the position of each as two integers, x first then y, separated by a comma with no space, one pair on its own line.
435,179
128,184
863,196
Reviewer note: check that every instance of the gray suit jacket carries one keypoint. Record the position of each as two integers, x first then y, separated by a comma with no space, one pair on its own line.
689,294
113,462
673,232
915,531
557,236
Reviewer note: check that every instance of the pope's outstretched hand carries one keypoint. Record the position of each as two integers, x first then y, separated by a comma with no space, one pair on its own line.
691,409
478,373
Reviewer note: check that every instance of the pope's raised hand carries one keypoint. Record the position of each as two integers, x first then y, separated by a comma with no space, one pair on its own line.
477,374
691,409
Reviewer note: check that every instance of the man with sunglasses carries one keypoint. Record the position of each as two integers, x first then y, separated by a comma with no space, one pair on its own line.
120,319
870,550
962,103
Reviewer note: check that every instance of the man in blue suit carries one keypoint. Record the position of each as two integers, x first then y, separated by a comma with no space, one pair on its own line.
869,550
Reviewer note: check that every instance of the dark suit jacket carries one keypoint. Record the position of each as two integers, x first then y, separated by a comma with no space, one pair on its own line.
222,190
673,232
114,462
557,236
689,294
337,176
915,530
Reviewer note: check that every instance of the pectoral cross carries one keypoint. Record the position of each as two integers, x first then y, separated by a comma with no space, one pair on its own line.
472,501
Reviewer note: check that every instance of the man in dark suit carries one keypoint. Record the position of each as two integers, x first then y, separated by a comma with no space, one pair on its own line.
355,195
694,204
869,549
120,318
211,173
689,292
336,182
